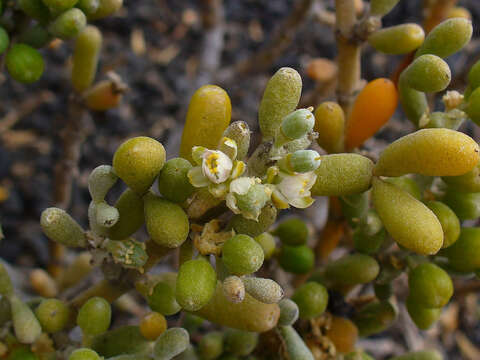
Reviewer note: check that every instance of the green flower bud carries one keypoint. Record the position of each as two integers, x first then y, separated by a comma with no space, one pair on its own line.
300,161
121,341
447,38
89,7
85,58
355,207
242,255
100,181
239,342
36,9
94,316
131,216
468,182
473,106
69,24
106,8
295,347
196,283
448,220
422,317
234,289
465,205
414,102
53,315
210,346
6,287
408,221
311,299
264,290
289,312
60,5
128,252
62,228
420,355
352,270
167,223
239,132
297,124
162,299
296,259
443,120
173,182
261,317
343,174
293,231
26,326
428,73
171,343
209,114
330,126
431,152
84,354
464,254
105,215
430,286
400,39
4,40
267,242
247,197
250,227
138,161
36,36
24,63
382,7
406,184
375,317
280,98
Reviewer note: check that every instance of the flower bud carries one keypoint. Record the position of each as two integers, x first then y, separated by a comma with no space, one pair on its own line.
106,8
242,255
297,124
196,282
295,347
84,354
173,182
138,161
280,98
301,161
167,224
121,341
267,242
288,312
312,299
248,197
264,290
431,152
69,24
428,73
382,7
293,231
24,63
153,325
400,39
352,270
131,216
26,326
210,346
375,317
85,58
343,174
430,286
234,289
330,125
239,132
171,343
239,342
94,316
447,38
60,227
296,259
422,317
209,114
53,315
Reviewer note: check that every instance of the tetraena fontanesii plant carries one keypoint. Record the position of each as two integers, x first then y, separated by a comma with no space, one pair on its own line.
215,208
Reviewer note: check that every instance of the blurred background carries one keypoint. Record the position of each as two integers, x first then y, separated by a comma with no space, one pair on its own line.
164,50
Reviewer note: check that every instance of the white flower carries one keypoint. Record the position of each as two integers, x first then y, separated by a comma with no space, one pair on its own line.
247,196
294,190
216,166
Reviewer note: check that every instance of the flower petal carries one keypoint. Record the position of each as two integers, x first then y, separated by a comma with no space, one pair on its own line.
196,177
